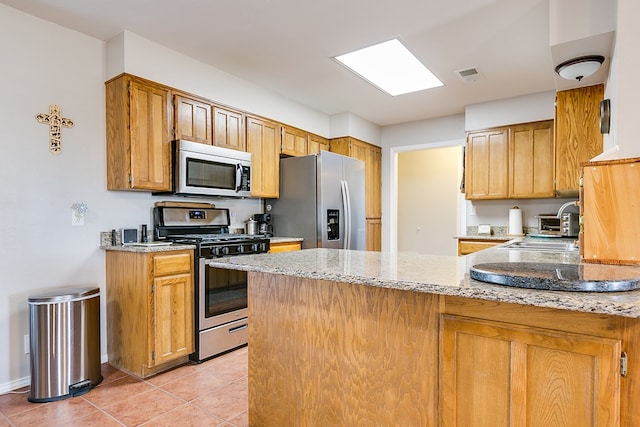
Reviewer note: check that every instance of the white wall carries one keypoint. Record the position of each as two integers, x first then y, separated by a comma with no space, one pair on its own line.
141,57
520,109
39,249
622,86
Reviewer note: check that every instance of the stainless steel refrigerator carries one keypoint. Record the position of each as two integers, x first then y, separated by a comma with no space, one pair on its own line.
321,200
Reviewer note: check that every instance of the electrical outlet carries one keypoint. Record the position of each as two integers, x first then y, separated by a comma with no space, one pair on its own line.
26,344
76,220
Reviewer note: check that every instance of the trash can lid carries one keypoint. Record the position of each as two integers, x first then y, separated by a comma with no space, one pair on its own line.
64,295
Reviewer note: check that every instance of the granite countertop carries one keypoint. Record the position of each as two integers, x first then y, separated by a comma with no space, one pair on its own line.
278,239
159,248
487,237
443,275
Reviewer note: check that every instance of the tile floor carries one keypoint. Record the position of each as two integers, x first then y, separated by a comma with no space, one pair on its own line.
213,393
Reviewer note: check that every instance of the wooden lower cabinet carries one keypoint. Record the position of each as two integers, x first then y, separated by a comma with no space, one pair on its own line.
351,355
469,245
284,247
150,307
500,374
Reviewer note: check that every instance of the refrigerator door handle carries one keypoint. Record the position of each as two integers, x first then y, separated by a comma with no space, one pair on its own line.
346,205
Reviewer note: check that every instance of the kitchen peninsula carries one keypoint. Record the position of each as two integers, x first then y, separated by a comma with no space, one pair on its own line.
365,338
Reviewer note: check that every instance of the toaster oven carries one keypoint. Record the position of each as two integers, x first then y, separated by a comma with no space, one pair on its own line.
566,225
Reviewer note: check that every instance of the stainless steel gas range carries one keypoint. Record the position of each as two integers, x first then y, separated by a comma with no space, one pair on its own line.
220,295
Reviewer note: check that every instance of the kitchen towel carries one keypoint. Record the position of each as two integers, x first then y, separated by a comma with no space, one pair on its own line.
515,222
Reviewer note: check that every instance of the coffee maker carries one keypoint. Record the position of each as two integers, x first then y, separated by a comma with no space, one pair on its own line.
264,224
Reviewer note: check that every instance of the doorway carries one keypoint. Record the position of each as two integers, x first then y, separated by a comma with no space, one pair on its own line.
429,203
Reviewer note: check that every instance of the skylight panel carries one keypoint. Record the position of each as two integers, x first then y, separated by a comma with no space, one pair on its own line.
391,67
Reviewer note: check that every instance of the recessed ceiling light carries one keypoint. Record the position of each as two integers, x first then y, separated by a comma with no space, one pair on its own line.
391,67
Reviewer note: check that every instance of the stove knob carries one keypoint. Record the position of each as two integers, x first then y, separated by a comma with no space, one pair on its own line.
225,250
254,247
263,247
240,249
216,251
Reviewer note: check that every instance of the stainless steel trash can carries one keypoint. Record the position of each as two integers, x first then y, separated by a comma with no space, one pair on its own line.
64,329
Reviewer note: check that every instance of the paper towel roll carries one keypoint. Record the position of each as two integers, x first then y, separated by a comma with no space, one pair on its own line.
515,222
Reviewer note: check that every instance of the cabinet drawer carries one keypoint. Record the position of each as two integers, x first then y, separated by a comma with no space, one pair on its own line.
164,265
466,247
284,247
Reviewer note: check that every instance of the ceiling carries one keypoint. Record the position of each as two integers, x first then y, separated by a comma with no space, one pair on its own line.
286,46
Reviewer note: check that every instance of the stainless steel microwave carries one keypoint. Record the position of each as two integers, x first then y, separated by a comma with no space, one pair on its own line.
565,225
207,170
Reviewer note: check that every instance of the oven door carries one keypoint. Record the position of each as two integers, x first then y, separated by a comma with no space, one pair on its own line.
222,295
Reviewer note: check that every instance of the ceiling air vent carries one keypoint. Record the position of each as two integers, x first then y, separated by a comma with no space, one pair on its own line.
469,74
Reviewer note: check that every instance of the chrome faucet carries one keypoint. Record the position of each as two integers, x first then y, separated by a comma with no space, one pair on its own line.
566,206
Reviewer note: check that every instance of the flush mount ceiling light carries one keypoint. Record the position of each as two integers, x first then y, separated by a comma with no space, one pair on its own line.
391,67
578,68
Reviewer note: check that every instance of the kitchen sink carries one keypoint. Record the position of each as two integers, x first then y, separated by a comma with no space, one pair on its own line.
546,246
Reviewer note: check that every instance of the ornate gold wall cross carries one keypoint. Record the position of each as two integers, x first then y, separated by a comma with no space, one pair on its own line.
55,121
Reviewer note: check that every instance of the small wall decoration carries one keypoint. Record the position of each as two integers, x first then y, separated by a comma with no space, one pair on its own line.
55,121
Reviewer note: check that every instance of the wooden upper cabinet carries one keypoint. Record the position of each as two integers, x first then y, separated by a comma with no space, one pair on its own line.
192,119
500,374
531,160
228,129
371,155
263,142
317,143
510,162
373,173
577,135
487,164
294,141
610,208
139,128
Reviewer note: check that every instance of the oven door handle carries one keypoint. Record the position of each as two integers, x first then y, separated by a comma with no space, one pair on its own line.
238,328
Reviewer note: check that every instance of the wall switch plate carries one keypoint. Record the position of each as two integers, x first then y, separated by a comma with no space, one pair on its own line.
26,344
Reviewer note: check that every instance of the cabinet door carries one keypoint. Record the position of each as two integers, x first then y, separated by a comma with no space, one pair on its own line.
374,234
498,374
469,246
578,138
373,172
317,143
294,142
228,129
172,317
610,205
486,168
193,119
263,142
531,160
150,142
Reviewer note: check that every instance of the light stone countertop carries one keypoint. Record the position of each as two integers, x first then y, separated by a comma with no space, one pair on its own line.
487,237
278,239
159,248
443,275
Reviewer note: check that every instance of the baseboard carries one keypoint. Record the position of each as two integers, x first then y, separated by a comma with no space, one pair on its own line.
14,385
26,381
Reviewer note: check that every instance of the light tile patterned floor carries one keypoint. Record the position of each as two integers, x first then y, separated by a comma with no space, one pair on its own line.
213,393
